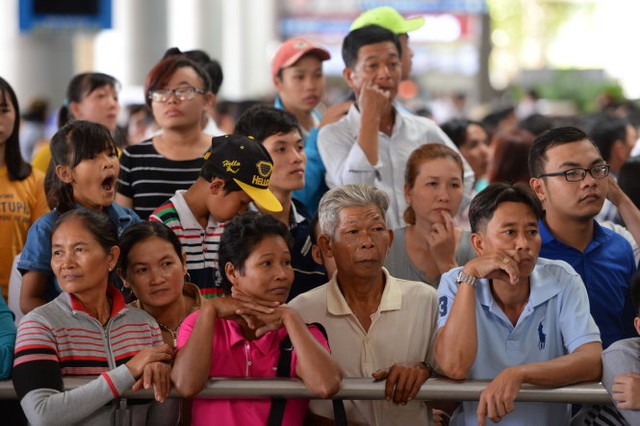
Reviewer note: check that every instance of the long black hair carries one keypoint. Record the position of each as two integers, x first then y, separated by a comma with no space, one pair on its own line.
16,166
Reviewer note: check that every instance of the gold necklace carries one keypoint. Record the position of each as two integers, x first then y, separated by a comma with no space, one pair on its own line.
173,333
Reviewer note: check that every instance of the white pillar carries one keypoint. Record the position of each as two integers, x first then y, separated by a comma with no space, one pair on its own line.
39,63
249,33
144,31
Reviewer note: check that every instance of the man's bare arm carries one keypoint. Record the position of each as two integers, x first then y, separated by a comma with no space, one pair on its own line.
582,365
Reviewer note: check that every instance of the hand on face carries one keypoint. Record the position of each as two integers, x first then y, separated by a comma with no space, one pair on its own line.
614,192
240,305
257,313
502,265
442,241
373,100
263,322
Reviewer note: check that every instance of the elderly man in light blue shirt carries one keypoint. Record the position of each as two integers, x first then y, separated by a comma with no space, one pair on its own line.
510,317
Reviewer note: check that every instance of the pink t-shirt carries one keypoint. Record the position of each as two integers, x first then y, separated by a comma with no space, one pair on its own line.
235,356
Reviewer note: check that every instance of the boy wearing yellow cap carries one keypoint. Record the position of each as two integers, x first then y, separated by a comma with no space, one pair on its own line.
237,170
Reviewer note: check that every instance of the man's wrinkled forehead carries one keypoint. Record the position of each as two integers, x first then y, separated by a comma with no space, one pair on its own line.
358,214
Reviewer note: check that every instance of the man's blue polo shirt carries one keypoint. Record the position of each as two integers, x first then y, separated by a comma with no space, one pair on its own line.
606,267
554,322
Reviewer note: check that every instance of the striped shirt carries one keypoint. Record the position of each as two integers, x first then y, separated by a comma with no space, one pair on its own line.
150,179
200,245
61,339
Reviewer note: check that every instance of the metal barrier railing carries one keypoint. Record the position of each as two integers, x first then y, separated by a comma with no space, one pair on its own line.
362,389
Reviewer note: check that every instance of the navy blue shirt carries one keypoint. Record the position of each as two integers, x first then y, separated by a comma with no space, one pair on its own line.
308,274
606,267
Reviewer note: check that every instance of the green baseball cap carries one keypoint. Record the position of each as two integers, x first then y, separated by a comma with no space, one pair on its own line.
389,18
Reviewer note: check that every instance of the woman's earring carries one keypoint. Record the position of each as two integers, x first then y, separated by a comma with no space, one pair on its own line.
187,278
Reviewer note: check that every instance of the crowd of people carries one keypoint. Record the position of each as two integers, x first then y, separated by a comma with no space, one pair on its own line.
365,242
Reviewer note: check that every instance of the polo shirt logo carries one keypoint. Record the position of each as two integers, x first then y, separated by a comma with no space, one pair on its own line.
443,305
541,336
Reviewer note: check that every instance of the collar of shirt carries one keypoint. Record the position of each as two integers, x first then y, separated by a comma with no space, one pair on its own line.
391,299
542,282
295,217
316,114
187,219
600,237
119,215
117,301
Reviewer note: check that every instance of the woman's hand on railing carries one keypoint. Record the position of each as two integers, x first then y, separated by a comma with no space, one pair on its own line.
160,353
156,376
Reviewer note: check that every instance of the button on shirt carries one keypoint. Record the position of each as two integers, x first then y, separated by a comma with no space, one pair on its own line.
346,163
402,330
555,322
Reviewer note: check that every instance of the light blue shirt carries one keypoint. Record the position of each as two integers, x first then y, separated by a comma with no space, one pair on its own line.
555,322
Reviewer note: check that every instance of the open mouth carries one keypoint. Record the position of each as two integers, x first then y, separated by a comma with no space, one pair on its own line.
109,183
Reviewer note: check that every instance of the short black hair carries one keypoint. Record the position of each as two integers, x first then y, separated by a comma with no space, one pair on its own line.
456,129
209,65
606,131
241,235
262,121
99,225
628,179
536,123
486,202
550,139
370,34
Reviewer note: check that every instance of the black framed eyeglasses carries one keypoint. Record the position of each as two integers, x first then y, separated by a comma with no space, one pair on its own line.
181,94
578,174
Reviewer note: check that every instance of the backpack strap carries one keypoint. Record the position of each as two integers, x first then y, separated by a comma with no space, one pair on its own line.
339,413
276,413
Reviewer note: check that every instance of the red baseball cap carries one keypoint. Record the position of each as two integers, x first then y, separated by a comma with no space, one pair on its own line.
293,49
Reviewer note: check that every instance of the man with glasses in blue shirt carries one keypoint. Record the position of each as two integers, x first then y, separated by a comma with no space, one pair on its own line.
569,178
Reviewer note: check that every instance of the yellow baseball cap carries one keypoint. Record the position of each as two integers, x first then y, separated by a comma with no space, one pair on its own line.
247,162
389,18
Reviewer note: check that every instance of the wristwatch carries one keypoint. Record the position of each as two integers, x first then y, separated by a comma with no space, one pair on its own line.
463,278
